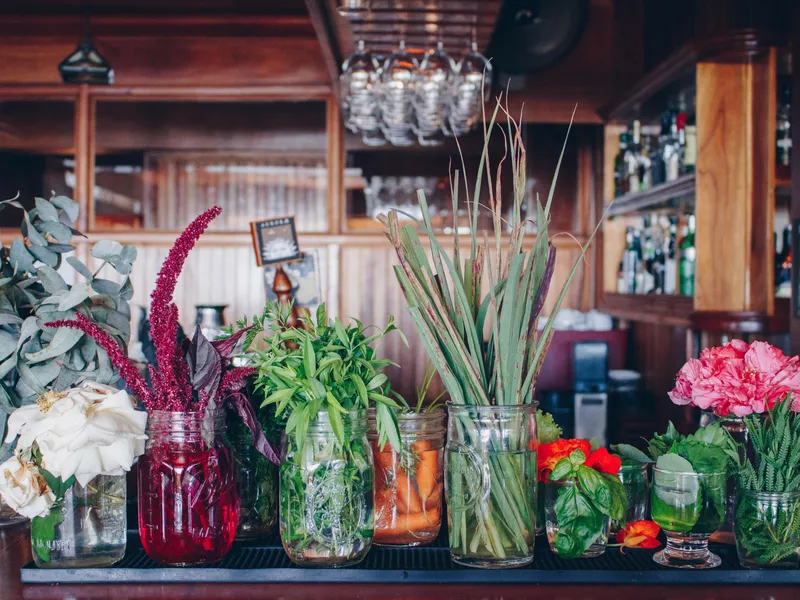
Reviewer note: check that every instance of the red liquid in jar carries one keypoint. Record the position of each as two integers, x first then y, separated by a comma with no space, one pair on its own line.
188,503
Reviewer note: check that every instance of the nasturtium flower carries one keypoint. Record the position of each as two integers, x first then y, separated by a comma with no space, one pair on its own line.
639,534
601,460
550,454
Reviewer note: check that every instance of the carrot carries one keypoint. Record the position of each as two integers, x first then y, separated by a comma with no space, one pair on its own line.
416,521
421,446
427,472
435,499
408,499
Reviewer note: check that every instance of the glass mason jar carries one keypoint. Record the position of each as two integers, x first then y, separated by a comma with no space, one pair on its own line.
327,516
767,532
8,516
87,529
257,484
409,483
188,503
490,484
552,491
689,507
738,430
635,478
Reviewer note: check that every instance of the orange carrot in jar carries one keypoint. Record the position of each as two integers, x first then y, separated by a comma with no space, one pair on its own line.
427,472
416,521
435,499
408,499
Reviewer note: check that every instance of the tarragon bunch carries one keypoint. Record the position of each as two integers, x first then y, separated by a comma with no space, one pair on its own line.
35,358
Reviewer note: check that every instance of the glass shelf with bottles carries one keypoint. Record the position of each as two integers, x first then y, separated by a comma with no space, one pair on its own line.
652,155
658,256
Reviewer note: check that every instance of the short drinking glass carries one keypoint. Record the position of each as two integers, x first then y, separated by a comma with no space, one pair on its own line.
689,507
635,478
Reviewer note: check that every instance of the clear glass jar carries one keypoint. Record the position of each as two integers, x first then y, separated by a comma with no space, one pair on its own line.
736,427
409,483
767,531
87,529
490,484
188,503
327,515
8,516
257,484
689,507
552,491
635,478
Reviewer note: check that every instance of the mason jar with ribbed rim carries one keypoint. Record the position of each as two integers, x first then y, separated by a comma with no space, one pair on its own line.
490,484
188,502
327,515
768,529
88,528
257,484
409,481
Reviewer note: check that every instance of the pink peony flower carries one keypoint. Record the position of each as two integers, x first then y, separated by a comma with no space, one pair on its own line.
737,379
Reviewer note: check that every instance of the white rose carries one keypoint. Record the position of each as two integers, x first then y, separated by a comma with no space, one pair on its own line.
24,489
89,430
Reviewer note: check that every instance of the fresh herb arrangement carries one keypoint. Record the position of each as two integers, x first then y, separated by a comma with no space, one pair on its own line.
322,379
689,492
586,492
634,475
409,480
768,499
451,314
691,504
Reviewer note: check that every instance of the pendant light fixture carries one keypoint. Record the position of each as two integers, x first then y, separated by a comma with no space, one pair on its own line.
85,64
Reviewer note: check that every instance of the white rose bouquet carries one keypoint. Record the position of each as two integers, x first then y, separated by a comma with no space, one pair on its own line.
66,438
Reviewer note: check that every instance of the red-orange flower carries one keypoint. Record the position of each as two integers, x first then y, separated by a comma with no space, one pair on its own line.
550,454
639,534
601,460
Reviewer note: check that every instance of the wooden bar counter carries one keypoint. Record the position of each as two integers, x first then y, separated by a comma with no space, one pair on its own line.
15,552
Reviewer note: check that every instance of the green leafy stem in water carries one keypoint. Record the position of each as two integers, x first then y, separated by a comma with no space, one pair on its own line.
768,527
583,504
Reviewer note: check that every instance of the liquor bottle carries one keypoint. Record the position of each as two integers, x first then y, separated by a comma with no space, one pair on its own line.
659,263
648,257
639,275
690,146
657,167
672,150
783,123
630,258
620,167
688,256
621,289
784,274
634,180
777,259
645,173
670,264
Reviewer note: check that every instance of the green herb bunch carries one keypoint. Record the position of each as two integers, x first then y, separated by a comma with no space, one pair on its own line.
546,427
325,365
581,506
710,449
768,530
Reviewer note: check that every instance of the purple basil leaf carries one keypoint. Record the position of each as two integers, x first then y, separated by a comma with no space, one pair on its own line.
244,409
225,347
205,365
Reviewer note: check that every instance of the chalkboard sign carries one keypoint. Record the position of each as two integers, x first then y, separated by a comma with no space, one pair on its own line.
275,241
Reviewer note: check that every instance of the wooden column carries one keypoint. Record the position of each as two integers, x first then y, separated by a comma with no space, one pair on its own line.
336,164
735,185
84,156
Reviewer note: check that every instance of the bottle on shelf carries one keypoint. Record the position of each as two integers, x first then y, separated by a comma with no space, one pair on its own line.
620,167
645,165
673,149
690,145
630,261
634,178
783,124
783,281
670,262
688,257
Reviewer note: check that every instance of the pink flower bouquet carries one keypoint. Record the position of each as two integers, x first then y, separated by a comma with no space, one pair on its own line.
738,379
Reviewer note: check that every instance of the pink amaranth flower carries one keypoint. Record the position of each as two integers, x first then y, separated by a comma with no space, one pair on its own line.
173,391
737,379
118,357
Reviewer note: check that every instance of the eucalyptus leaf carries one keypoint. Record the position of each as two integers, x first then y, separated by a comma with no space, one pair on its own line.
68,205
106,249
45,210
80,267
45,255
33,235
51,280
105,286
60,233
20,258
78,293
62,341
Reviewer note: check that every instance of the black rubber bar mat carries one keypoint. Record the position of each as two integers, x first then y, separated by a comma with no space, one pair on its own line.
267,563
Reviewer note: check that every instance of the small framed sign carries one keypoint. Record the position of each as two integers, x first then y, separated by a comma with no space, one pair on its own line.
275,241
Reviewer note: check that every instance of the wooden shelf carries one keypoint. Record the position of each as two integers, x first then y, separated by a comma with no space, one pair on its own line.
737,46
655,197
658,309
678,311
